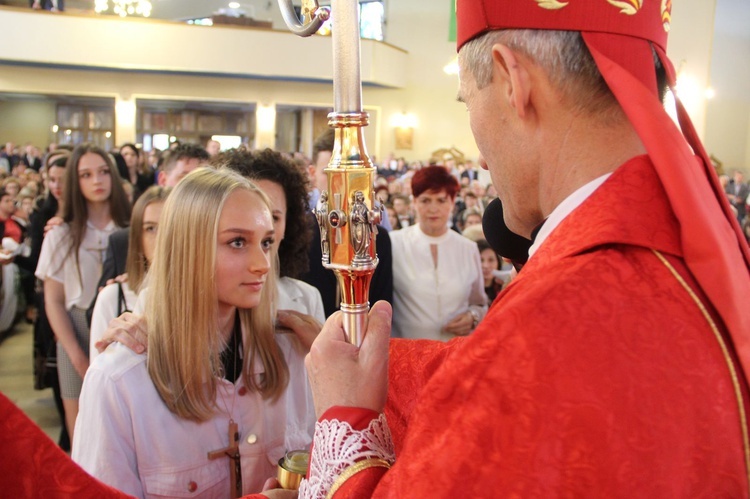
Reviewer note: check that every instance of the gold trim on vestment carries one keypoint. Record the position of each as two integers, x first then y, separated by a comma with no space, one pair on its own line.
727,357
353,470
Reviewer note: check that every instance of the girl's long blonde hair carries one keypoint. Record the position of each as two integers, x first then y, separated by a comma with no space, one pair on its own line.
184,343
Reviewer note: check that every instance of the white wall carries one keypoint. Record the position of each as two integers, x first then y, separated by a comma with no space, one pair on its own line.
421,28
92,41
728,113
690,52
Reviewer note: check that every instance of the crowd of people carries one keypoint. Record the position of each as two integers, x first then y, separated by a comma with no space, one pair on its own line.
84,224
89,220
614,364
738,195
213,290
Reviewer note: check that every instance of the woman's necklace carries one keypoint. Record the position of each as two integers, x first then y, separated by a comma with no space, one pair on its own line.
233,450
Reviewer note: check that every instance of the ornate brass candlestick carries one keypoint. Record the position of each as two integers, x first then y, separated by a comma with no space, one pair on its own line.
346,211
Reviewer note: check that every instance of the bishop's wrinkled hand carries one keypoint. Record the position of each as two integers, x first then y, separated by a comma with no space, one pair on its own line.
342,374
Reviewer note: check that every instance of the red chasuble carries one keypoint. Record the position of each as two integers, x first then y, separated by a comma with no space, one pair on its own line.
34,467
600,371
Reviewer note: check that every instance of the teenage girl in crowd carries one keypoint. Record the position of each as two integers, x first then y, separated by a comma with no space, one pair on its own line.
136,176
215,365
45,356
491,263
120,297
70,262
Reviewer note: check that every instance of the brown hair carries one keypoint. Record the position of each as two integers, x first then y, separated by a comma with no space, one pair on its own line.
75,207
136,264
272,166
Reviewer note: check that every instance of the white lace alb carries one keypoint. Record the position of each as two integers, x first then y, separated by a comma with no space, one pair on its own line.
336,446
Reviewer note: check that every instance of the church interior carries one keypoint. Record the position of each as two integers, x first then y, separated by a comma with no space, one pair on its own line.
199,70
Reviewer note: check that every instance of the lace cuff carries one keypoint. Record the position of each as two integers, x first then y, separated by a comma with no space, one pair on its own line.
337,446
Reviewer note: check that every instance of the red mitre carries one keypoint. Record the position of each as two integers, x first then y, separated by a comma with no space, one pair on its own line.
620,34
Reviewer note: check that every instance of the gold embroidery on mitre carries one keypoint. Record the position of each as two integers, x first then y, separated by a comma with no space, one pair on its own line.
551,4
629,7
666,14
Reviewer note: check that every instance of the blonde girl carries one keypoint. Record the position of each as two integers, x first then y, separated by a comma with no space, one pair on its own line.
215,365
120,297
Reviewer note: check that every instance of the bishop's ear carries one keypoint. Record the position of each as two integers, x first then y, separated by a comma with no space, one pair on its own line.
509,68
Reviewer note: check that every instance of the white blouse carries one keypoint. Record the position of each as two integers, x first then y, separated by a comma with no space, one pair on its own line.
55,262
126,437
300,296
425,297
105,310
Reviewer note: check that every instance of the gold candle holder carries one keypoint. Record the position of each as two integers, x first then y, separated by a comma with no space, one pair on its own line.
292,469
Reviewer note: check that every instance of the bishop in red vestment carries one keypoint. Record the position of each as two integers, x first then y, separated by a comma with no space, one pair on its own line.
615,364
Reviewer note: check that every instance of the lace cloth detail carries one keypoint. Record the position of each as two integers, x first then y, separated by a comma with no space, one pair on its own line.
336,446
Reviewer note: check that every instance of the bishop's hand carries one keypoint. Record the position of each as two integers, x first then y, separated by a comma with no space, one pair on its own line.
342,374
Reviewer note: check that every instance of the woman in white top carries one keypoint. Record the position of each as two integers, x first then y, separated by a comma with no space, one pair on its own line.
216,375
120,297
438,289
70,262
286,188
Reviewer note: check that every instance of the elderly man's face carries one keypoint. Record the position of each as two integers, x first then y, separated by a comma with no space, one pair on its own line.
501,138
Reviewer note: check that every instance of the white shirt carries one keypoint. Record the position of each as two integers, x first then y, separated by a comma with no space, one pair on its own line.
564,209
105,310
55,263
301,297
126,437
426,298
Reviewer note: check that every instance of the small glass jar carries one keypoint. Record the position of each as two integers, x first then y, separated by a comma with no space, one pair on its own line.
292,469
